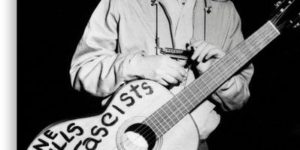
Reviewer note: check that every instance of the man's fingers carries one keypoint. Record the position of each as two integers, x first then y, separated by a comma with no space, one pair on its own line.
162,82
182,62
203,53
170,79
181,71
214,53
174,74
211,56
198,50
202,67
178,67
172,71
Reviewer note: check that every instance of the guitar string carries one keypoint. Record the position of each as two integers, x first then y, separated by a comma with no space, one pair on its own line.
229,68
245,43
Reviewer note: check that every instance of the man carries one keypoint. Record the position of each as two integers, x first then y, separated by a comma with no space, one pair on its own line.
119,46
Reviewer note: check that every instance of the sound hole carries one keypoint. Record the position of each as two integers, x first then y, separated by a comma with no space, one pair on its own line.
144,132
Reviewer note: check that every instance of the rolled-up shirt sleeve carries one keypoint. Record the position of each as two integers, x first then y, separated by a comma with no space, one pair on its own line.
234,93
97,67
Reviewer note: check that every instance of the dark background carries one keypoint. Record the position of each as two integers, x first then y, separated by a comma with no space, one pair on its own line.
48,32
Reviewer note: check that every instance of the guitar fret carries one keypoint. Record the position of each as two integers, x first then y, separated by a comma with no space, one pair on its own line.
197,92
187,101
177,113
194,96
169,119
165,118
184,104
180,104
153,126
169,113
174,117
204,87
189,93
157,122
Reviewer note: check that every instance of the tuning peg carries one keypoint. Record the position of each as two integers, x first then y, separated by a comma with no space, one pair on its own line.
283,4
296,25
297,21
277,5
290,2
282,8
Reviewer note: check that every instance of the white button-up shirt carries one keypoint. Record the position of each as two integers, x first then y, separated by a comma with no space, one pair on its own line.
119,30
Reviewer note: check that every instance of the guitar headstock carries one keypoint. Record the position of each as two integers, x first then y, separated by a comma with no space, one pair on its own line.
284,16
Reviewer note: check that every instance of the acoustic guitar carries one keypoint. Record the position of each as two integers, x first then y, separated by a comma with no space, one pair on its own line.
143,115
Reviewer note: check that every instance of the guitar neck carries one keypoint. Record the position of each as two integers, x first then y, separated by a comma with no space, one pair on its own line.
195,93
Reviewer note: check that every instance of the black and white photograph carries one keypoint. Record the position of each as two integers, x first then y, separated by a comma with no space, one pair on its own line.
158,75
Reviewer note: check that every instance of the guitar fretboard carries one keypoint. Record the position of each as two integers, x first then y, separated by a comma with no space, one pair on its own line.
184,102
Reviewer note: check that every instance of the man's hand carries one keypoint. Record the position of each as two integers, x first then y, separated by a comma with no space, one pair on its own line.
161,69
205,54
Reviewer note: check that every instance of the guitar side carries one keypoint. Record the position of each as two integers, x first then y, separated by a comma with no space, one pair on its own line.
132,104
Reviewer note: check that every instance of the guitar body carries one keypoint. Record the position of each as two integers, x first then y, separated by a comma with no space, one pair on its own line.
117,128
